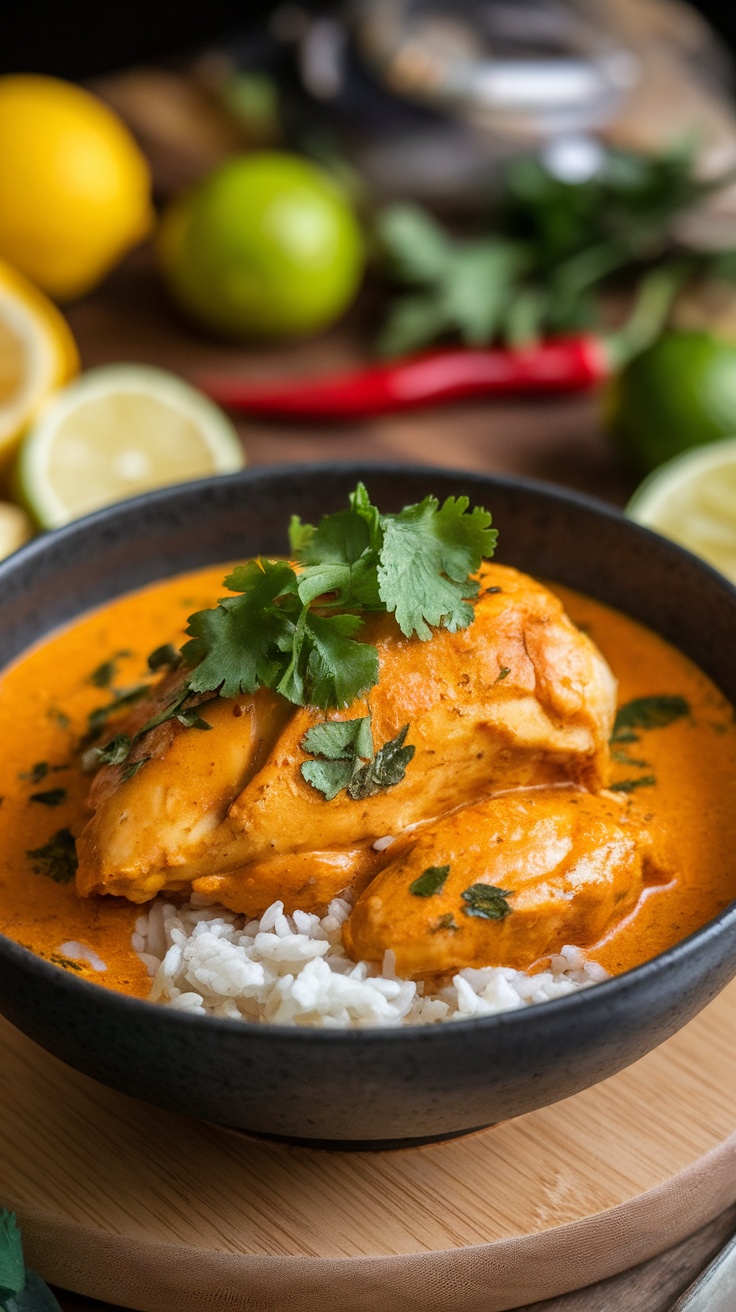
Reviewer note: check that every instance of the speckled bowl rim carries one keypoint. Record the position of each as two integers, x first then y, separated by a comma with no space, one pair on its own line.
572,1004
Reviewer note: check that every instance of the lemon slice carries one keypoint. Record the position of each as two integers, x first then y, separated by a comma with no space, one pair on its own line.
15,528
692,499
117,431
37,354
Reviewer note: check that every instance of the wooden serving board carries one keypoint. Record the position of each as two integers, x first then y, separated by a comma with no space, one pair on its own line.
161,1213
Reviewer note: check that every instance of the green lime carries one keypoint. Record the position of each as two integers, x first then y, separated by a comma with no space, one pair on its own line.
678,394
267,246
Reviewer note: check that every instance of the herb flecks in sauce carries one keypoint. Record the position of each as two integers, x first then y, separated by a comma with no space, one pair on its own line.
345,759
647,713
166,657
431,881
51,797
487,901
57,859
630,785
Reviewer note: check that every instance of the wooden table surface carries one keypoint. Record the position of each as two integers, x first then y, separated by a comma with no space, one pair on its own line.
559,440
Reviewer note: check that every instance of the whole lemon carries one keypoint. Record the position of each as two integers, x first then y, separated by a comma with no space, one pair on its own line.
267,246
74,187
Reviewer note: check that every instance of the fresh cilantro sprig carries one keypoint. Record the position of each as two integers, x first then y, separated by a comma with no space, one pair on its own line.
344,759
295,627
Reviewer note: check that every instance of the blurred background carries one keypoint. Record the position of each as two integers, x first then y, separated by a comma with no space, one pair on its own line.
497,234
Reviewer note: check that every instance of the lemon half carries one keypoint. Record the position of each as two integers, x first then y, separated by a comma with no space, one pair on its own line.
117,431
692,499
37,354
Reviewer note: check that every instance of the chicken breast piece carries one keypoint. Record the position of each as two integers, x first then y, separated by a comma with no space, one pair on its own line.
565,867
520,697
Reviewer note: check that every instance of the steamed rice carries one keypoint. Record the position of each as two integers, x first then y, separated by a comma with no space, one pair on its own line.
293,970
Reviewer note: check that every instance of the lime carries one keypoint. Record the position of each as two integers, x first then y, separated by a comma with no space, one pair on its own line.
692,499
37,354
266,247
678,394
75,190
117,431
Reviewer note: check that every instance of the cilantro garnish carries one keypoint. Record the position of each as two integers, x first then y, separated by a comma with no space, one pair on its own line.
628,785
165,657
647,713
430,882
503,673
98,718
295,628
57,859
51,797
445,922
487,901
345,759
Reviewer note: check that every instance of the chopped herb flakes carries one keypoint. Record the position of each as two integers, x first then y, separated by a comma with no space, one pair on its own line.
97,719
430,882
503,673
164,658
629,785
133,767
66,963
58,717
347,759
487,901
105,673
37,772
647,713
57,859
622,758
52,797
445,922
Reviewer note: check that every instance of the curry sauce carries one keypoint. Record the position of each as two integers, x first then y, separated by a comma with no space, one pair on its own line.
678,780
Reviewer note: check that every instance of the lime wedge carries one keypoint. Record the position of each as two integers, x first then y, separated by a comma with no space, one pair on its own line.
692,499
117,431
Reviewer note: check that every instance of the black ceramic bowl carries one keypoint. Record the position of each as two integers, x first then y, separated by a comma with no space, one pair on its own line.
375,1086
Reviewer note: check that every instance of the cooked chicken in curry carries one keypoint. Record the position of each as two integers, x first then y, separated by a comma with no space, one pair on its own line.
509,720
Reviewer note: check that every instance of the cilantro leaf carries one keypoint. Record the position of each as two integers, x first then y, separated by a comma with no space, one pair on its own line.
387,768
340,739
328,777
114,752
51,797
12,1266
339,558
647,713
430,882
328,667
486,901
629,785
165,657
347,760
240,643
57,859
300,535
427,557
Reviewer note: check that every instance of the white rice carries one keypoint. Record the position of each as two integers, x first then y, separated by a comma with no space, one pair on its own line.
293,970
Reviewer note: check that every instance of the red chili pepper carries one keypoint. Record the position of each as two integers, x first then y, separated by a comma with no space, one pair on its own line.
566,364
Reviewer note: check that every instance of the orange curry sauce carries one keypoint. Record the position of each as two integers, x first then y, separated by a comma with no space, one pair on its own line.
47,696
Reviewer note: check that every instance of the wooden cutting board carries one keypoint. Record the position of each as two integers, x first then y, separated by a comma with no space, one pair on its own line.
158,1212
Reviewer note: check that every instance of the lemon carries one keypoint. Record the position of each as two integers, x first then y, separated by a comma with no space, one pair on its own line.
692,499
37,354
74,187
15,528
680,393
117,431
267,247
